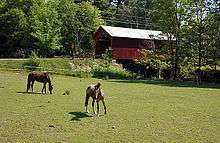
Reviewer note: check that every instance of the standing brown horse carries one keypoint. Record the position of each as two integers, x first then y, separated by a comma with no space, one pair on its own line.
97,94
40,77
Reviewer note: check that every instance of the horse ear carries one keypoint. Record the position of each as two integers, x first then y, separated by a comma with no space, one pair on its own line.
98,84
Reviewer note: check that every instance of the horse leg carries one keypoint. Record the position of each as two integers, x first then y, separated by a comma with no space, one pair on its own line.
86,103
97,108
103,102
32,86
28,86
93,102
44,86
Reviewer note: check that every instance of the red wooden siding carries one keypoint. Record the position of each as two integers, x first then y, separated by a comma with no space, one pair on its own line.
126,53
124,43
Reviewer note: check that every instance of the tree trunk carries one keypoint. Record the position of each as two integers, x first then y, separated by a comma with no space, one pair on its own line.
159,73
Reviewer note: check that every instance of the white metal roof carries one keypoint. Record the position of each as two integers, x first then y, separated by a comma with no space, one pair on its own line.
135,33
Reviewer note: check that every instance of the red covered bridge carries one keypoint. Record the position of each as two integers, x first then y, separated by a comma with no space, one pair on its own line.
126,43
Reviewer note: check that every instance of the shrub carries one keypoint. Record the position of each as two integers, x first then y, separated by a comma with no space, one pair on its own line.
113,72
97,68
207,68
33,62
184,73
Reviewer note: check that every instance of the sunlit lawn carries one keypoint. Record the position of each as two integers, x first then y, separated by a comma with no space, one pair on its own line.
138,111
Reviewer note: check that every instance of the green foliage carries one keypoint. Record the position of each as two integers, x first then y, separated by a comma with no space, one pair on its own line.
13,25
107,58
46,26
103,5
163,14
189,72
33,62
155,63
97,68
185,73
113,72
208,68
82,72
129,13
88,19
193,24
107,62
155,59
79,21
67,11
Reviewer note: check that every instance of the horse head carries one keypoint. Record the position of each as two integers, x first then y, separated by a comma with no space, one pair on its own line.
97,86
99,93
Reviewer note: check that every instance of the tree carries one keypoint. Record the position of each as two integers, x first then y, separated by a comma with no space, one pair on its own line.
67,14
155,59
88,20
14,21
212,26
132,14
46,26
194,24
79,23
168,15
200,6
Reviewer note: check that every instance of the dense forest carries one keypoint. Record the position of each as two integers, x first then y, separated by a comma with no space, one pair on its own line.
66,27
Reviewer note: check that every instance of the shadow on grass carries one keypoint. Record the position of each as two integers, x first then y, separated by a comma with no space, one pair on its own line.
172,83
28,92
78,116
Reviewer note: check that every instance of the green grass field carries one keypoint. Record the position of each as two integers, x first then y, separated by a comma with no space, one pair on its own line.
140,111
51,64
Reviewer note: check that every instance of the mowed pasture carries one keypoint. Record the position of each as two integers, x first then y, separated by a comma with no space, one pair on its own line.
137,111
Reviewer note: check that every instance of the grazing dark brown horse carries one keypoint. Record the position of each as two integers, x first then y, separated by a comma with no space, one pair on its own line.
40,77
97,94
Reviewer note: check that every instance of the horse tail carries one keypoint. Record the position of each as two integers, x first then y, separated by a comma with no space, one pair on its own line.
28,82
